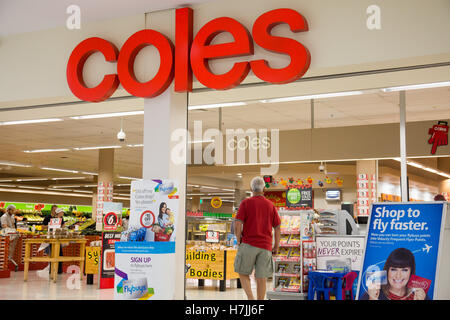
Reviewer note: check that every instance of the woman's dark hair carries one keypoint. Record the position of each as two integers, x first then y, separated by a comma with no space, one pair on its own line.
160,215
399,258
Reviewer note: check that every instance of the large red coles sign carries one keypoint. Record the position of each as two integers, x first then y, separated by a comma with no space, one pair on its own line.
192,55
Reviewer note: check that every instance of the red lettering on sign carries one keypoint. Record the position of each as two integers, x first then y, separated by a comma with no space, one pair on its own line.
75,66
125,64
183,41
192,56
300,57
202,51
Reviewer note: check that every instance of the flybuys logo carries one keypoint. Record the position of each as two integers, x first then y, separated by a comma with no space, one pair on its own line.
134,289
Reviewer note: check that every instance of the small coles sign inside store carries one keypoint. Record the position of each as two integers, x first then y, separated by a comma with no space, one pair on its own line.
190,55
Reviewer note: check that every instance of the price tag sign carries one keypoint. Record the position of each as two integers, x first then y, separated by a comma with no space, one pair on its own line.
216,202
92,258
112,216
55,223
110,222
212,236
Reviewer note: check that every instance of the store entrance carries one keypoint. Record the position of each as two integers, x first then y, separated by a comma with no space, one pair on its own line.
342,149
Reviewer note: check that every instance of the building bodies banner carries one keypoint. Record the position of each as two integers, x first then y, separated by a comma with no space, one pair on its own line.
145,255
402,255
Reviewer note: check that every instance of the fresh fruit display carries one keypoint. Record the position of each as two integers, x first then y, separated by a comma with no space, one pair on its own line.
87,223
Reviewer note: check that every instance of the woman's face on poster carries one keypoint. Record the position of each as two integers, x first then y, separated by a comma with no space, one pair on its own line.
398,277
164,207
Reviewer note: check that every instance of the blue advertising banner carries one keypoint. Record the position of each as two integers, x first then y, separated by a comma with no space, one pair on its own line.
402,251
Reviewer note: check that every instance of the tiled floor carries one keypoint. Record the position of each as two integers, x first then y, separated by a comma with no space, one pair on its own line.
39,288
68,288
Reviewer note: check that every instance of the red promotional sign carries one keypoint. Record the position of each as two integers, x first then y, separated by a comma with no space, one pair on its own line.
278,198
111,221
439,135
147,219
191,55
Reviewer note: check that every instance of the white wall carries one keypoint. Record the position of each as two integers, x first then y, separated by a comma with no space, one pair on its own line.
348,195
33,64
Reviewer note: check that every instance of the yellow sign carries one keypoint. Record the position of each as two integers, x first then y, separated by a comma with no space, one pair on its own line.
216,202
210,265
92,257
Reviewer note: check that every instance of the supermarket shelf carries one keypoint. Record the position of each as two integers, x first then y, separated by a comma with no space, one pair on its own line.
282,274
291,245
286,295
287,231
280,259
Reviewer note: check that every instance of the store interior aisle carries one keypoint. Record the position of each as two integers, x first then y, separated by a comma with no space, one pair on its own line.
38,288
211,291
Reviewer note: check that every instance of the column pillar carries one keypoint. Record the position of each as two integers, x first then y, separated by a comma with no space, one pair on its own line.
105,183
195,202
239,194
366,185
165,158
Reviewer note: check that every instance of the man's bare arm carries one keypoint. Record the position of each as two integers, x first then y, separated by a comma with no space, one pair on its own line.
277,236
238,230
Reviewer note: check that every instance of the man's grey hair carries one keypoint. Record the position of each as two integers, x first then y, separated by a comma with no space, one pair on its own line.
257,184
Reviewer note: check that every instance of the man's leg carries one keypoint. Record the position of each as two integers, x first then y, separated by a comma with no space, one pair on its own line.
263,270
245,283
261,288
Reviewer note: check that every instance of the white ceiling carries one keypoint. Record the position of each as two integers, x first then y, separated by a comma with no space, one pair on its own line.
19,16
366,109
371,108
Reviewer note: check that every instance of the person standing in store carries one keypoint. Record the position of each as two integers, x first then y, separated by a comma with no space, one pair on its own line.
55,212
9,222
254,222
50,216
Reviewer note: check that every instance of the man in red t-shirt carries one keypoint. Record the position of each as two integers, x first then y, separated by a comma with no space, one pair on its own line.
253,229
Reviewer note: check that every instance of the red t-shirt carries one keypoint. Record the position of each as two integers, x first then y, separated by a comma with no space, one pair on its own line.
259,216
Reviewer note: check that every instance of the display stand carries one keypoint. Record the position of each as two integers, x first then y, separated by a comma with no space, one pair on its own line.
4,250
337,222
295,257
55,258
212,265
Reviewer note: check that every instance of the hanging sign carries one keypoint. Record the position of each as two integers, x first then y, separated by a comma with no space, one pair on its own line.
299,197
278,198
401,260
189,56
439,135
216,202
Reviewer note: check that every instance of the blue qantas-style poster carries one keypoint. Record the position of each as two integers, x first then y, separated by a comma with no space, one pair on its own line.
402,251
